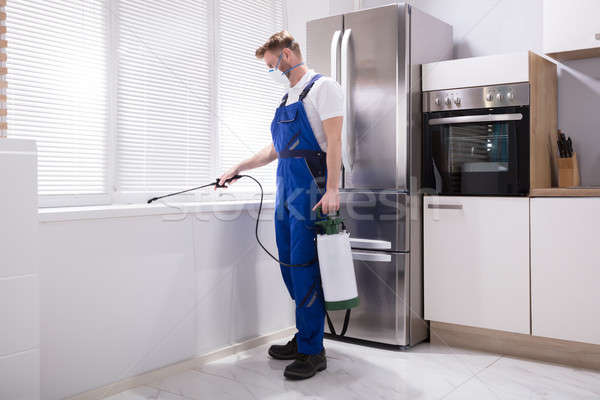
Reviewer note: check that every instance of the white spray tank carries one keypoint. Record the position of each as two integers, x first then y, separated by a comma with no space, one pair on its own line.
336,265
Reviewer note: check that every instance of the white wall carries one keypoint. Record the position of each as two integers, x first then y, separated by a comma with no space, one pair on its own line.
485,27
299,12
19,292
122,296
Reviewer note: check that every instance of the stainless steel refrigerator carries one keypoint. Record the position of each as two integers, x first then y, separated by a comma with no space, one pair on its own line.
376,56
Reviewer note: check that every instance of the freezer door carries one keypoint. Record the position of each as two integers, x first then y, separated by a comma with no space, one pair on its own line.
381,315
375,140
323,45
376,220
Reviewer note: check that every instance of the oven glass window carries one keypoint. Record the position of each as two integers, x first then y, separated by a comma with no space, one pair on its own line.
478,148
474,157
487,154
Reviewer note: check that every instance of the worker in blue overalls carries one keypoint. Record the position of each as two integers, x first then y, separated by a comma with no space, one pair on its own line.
306,133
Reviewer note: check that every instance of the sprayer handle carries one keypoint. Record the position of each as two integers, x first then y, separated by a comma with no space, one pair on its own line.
320,213
226,181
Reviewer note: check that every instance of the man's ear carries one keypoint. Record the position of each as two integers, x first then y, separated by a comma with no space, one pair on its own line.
287,53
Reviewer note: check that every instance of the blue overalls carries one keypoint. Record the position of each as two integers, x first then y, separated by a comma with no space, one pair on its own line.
301,178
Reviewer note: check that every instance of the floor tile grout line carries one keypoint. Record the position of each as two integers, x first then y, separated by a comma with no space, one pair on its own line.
157,388
168,391
457,386
488,366
475,375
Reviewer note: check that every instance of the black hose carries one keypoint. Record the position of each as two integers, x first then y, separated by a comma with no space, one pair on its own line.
311,262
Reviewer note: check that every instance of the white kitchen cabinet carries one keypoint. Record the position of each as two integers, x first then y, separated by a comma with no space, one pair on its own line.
565,268
476,262
571,28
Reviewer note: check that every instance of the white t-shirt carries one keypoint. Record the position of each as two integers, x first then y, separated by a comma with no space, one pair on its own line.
325,100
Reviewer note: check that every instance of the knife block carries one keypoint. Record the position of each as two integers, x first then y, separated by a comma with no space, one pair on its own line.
568,172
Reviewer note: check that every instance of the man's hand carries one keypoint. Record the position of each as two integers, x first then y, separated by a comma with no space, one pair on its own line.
330,202
263,157
228,175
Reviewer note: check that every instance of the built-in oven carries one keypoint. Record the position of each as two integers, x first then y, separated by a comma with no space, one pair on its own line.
476,140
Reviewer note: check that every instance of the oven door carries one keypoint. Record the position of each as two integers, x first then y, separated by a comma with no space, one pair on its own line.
477,152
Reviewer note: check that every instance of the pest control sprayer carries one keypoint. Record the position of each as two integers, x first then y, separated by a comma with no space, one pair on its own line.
333,253
335,263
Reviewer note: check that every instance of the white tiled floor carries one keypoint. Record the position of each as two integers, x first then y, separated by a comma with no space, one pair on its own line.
356,372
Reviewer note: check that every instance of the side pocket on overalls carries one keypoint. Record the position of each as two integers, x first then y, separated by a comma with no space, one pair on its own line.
316,168
311,296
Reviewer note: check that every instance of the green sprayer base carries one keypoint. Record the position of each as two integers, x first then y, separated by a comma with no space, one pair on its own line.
342,305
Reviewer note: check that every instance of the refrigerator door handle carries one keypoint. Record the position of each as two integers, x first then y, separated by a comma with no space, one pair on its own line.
335,44
347,139
373,257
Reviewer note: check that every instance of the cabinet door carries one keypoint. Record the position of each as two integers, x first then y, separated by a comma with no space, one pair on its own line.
476,262
565,268
571,25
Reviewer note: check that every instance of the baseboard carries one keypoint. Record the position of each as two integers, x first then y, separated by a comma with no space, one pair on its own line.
573,354
161,373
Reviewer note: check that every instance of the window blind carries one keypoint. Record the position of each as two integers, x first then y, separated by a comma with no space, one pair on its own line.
247,98
3,70
57,90
164,95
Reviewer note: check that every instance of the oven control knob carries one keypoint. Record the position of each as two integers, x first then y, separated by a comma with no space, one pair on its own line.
448,101
499,97
489,96
510,96
437,101
457,101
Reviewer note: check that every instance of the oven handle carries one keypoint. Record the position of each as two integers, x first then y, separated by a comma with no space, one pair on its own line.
476,118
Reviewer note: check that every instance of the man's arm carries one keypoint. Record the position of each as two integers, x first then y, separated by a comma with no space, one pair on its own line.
263,157
330,202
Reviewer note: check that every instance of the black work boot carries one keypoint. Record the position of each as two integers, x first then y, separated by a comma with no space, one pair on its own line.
306,366
287,351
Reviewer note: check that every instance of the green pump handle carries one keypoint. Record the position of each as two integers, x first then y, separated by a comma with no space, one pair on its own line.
329,224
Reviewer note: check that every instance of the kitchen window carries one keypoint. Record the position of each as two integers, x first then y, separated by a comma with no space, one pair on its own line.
132,98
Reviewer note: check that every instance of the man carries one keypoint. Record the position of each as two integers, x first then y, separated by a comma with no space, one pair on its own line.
306,133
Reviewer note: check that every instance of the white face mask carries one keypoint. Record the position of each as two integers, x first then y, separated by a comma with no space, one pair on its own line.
281,77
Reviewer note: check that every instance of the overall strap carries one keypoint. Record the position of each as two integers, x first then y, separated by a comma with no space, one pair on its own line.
308,86
284,100
305,91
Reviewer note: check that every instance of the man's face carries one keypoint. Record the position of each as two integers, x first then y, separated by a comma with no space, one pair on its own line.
271,59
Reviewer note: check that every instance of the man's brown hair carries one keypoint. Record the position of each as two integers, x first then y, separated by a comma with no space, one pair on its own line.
278,42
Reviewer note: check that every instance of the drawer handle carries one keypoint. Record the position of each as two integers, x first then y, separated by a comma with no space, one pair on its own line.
370,244
376,257
445,206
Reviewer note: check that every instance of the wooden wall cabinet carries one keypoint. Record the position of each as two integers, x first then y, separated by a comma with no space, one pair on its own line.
476,261
571,29
565,268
